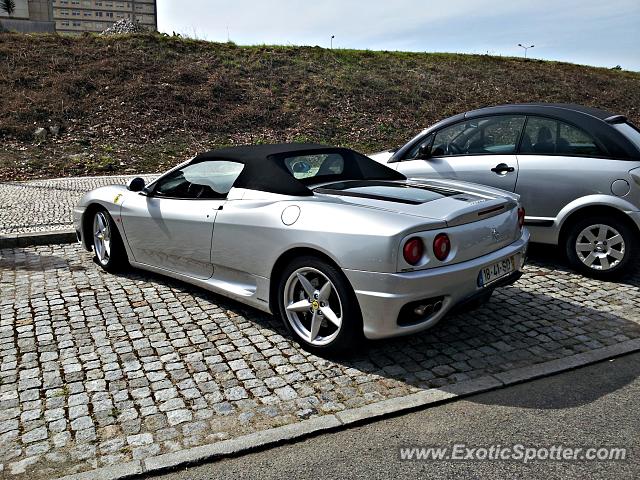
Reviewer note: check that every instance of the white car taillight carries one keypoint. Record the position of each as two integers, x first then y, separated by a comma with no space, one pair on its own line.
442,246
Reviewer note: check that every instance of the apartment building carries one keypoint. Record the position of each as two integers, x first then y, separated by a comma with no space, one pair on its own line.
29,16
77,16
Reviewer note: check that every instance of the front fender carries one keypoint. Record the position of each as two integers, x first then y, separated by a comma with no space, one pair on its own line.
110,198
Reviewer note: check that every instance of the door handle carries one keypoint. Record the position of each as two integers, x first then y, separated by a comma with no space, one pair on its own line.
503,168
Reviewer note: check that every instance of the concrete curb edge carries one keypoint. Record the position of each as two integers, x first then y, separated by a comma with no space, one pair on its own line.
19,240
347,418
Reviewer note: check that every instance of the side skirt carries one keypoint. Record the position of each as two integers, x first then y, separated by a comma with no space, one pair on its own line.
234,291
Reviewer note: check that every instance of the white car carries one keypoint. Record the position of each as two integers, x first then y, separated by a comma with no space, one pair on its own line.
334,243
576,169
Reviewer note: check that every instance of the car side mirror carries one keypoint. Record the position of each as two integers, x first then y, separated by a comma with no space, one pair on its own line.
136,185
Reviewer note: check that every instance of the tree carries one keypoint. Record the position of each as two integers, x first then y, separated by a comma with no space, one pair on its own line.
8,6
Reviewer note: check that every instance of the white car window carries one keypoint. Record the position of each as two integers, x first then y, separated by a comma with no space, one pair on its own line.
308,166
210,179
494,135
547,136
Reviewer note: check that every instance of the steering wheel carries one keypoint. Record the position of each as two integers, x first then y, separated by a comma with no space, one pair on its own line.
194,190
452,149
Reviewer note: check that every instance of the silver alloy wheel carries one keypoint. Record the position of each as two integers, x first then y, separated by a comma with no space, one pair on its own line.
312,306
600,247
102,238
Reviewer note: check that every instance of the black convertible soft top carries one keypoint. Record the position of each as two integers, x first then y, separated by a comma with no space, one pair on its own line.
265,169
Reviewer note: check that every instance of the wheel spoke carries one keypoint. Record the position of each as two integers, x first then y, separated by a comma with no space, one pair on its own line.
325,292
331,316
615,240
590,259
107,248
589,235
306,285
301,306
316,322
618,255
99,249
584,247
602,233
604,262
100,222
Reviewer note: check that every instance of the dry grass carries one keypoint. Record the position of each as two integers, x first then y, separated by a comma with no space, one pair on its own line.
143,102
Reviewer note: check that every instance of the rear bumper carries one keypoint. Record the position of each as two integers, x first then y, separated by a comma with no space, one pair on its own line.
382,295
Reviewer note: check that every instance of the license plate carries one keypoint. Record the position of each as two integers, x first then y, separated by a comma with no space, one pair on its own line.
496,271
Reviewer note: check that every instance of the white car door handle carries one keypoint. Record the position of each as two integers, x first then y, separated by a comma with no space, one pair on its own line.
503,168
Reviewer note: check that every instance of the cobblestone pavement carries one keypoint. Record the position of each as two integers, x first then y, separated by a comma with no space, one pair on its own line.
46,205
98,369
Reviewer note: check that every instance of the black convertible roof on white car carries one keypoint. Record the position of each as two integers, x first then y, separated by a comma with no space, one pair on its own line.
265,168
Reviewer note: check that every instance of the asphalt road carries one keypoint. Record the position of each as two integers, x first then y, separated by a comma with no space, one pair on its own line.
592,406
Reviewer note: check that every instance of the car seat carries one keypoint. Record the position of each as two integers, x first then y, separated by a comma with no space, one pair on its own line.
544,143
563,146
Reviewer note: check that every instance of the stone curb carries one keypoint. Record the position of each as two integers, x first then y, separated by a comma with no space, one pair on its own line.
345,419
18,240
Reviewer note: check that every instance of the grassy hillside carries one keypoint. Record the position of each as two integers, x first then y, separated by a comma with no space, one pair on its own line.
141,103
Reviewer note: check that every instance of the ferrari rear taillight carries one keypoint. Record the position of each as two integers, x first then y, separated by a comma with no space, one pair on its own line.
441,246
413,251
521,214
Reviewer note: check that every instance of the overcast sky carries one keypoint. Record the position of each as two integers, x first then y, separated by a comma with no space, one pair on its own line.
594,32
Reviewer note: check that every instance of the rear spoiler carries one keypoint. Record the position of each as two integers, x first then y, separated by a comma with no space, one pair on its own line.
616,119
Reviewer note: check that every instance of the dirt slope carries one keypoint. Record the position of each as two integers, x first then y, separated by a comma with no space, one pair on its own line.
141,103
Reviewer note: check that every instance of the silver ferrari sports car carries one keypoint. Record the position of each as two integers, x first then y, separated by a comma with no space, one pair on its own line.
333,242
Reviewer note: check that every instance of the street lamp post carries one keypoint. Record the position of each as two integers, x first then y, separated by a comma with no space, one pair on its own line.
332,37
525,48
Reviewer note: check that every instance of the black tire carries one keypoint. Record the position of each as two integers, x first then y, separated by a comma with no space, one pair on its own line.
350,333
598,269
117,259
